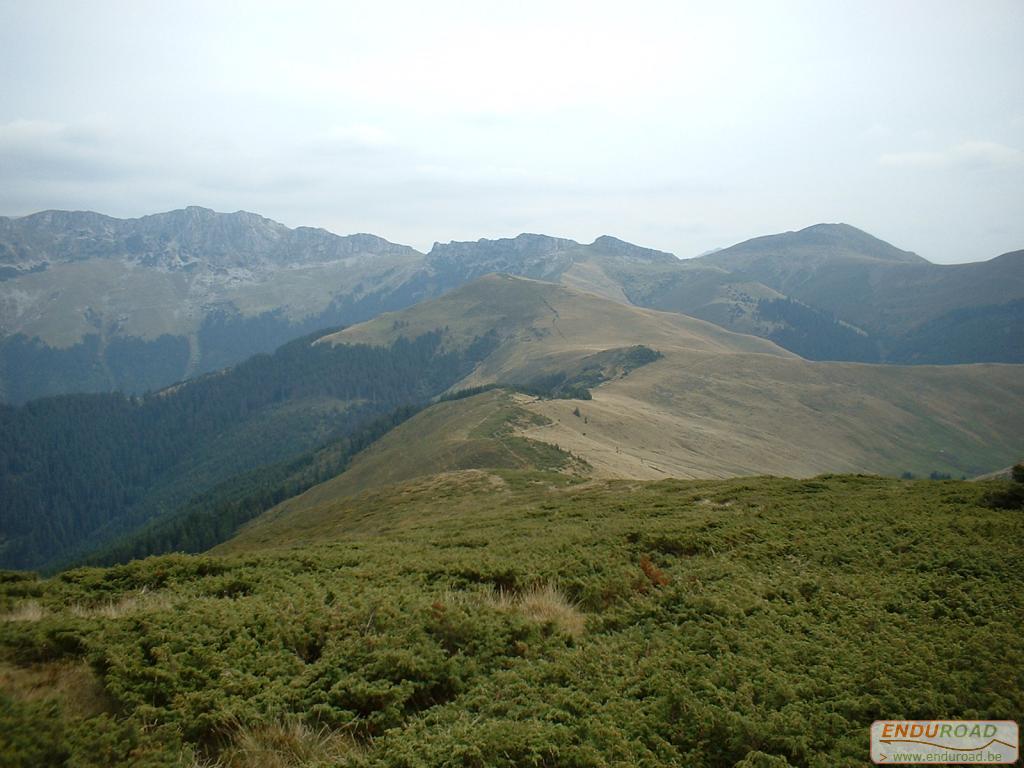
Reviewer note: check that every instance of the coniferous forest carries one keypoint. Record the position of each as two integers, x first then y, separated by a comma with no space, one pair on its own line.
77,471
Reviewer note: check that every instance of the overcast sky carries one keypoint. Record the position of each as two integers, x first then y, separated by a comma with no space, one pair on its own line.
675,125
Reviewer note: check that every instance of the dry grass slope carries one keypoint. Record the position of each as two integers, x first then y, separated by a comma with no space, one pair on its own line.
718,403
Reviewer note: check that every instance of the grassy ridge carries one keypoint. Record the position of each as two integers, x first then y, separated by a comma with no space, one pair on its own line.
718,403
522,618
474,432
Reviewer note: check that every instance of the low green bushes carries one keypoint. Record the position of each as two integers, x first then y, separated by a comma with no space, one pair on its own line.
756,623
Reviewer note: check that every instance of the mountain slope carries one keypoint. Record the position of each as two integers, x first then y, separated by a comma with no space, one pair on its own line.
616,270
721,417
828,292
77,472
714,404
542,327
719,402
655,394
464,435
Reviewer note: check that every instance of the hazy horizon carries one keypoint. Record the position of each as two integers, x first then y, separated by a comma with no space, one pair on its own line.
678,126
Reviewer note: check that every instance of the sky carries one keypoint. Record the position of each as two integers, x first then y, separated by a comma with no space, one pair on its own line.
682,126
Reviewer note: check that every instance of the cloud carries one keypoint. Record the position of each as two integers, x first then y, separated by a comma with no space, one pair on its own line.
356,136
878,131
22,132
40,150
969,154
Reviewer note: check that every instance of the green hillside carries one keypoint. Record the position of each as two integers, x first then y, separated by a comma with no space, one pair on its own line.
472,433
518,618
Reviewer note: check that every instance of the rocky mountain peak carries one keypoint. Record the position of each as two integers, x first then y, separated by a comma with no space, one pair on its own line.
178,239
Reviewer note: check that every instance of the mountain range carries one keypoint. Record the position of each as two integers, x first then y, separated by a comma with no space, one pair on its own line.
525,521
90,303
503,372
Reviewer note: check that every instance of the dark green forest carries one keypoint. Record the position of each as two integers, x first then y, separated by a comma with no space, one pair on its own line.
816,335
968,335
212,517
77,471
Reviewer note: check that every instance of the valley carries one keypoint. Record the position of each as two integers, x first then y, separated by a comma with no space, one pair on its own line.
515,459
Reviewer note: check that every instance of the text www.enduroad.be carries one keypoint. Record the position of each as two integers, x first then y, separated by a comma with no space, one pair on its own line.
983,756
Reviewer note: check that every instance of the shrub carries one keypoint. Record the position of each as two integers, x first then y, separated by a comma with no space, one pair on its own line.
1012,495
652,572
31,734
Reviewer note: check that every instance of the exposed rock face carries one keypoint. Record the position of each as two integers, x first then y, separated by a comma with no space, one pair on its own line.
177,240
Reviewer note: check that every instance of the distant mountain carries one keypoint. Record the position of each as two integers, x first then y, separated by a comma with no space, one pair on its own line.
186,239
649,278
820,244
827,292
93,303
908,307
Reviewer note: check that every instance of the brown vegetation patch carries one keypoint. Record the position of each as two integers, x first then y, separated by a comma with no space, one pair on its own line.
72,683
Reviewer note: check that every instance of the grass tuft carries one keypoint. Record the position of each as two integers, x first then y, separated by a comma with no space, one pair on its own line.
143,600
543,604
72,683
548,605
30,610
288,743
